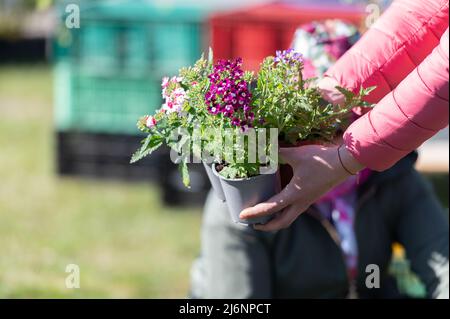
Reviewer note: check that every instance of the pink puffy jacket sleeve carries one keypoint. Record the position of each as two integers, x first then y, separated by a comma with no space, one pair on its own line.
405,118
406,56
396,44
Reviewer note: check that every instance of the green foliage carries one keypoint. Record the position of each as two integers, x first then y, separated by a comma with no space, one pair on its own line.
354,100
151,143
295,106
237,170
280,96
195,83
184,173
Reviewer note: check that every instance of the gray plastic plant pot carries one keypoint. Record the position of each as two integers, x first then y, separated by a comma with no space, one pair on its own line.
247,192
215,181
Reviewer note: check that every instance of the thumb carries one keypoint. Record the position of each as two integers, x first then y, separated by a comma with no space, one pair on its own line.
289,154
275,204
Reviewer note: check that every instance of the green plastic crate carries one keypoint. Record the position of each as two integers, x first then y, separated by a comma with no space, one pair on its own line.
161,48
112,105
108,72
137,54
99,104
175,45
98,46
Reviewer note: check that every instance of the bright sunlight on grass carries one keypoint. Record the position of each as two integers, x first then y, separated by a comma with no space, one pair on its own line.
126,243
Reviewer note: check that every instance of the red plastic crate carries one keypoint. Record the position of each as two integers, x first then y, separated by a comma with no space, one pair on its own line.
257,32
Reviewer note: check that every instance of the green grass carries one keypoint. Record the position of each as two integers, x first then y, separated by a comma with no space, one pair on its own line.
126,243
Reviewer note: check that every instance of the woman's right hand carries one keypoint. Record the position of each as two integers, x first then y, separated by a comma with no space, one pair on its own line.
316,170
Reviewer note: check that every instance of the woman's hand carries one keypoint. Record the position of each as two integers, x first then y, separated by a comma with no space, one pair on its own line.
329,92
317,169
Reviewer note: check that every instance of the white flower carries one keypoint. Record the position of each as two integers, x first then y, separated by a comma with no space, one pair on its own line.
150,122
165,82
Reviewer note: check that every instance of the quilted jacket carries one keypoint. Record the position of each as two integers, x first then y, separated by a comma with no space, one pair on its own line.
405,54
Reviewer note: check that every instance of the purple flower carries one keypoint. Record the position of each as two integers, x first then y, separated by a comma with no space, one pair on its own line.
229,93
213,110
288,56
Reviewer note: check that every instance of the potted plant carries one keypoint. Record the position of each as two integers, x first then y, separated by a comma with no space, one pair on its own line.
233,121
245,179
244,192
277,98
294,105
183,111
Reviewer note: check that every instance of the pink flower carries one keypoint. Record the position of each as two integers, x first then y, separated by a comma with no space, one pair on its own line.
175,100
165,82
150,122
173,94
164,93
176,79
179,92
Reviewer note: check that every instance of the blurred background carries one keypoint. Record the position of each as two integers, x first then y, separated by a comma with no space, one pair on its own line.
69,101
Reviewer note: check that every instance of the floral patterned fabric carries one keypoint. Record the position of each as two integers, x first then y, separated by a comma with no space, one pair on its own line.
322,43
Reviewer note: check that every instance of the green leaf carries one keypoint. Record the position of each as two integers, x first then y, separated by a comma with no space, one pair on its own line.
349,95
151,143
368,90
185,173
141,124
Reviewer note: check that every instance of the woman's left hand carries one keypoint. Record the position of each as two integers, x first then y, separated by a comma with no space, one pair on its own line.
317,169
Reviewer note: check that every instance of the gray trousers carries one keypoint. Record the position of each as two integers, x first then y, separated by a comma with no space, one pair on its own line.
233,261
239,262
